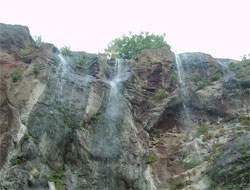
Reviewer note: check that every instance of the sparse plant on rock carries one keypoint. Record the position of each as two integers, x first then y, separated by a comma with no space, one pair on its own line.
151,158
16,75
66,51
179,185
216,76
160,95
38,41
203,129
24,52
36,70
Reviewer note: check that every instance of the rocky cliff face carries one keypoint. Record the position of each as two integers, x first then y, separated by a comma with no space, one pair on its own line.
84,122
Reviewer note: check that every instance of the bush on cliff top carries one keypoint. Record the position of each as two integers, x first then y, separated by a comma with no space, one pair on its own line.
66,51
128,46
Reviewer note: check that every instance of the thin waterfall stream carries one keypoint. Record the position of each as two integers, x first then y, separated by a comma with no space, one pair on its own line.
106,144
183,87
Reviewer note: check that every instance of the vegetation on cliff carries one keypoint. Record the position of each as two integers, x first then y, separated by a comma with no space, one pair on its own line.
128,46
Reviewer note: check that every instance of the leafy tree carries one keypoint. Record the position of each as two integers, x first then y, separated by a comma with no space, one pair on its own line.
127,47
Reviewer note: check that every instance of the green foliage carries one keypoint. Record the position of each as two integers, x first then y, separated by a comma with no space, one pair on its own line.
242,74
202,83
151,102
153,136
243,119
57,179
149,57
182,155
80,62
151,158
160,95
227,119
214,148
81,66
216,76
192,164
207,158
207,136
37,166
16,75
18,161
234,67
38,41
128,46
66,51
173,76
36,70
94,118
26,137
24,52
44,160
23,122
202,130
219,154
180,184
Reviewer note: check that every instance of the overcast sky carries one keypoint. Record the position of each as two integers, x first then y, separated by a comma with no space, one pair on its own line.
218,27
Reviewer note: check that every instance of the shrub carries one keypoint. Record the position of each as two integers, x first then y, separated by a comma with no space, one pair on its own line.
149,57
192,164
128,46
151,158
38,41
37,166
207,136
216,76
179,185
36,70
202,130
182,155
233,66
24,52
16,75
56,180
207,158
17,161
202,83
26,137
160,95
151,102
172,76
66,51
23,122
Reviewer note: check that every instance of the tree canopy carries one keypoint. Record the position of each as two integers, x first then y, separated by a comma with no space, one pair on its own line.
128,46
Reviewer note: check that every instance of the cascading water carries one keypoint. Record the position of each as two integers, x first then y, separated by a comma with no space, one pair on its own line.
106,144
61,72
184,90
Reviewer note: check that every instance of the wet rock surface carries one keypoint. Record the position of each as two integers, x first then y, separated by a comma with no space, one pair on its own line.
83,122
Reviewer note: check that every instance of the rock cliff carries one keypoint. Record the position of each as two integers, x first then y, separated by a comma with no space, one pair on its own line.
81,121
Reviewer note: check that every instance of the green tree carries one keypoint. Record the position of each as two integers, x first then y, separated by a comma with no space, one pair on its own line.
128,46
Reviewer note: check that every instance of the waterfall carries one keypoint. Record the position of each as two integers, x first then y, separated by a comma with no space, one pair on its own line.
61,72
183,87
106,144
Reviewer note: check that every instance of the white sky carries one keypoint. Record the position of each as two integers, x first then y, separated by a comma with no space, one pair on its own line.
218,27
